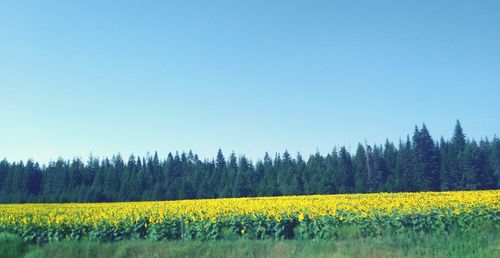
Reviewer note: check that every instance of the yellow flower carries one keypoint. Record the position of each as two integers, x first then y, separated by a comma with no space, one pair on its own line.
352,207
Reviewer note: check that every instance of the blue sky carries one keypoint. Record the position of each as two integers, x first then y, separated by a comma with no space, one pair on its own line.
107,77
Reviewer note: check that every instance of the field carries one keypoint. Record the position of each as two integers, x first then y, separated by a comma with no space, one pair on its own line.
292,217
479,242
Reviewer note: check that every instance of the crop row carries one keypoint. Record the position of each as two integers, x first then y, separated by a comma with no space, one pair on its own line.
307,217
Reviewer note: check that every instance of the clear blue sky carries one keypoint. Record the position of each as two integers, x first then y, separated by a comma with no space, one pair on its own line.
245,76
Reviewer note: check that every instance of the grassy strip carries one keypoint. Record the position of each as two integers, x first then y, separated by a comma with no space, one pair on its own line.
485,243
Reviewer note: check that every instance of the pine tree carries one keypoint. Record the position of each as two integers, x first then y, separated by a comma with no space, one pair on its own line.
316,171
346,170
404,169
418,164
426,161
240,187
390,158
270,182
457,158
360,170
494,162
458,140
285,172
331,169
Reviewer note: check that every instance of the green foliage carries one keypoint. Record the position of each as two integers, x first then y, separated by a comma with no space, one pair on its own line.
11,245
417,164
480,241
342,225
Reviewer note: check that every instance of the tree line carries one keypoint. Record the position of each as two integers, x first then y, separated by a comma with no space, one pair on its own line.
417,163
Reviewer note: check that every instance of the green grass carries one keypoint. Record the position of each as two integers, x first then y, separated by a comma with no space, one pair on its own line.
480,243
12,246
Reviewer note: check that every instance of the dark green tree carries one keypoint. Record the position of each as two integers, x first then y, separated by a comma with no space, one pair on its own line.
426,161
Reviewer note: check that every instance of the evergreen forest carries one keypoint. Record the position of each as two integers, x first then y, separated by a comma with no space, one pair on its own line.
417,163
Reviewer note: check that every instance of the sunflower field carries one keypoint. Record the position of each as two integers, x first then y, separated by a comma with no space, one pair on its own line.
298,217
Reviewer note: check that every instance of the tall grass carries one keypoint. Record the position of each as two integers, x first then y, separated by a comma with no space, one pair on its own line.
481,242
12,246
